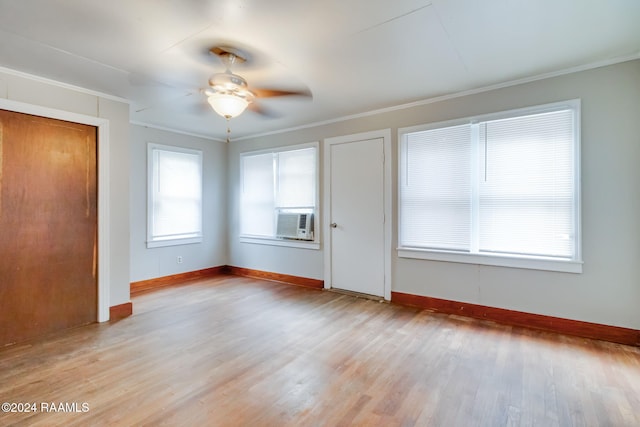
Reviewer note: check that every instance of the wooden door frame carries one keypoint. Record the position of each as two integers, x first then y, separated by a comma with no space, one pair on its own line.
103,187
385,134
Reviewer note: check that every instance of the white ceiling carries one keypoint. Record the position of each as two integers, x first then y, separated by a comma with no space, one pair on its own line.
354,56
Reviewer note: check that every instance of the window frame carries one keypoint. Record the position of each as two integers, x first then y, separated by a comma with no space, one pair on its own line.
191,238
272,240
573,265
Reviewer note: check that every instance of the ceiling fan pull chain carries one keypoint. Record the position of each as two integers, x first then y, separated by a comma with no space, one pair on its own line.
228,132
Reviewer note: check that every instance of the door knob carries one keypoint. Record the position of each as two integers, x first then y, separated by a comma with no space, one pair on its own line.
334,225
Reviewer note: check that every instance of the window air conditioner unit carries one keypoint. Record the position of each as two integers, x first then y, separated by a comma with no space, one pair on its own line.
295,226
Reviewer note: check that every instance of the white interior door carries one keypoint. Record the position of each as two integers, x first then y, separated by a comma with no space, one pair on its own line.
357,216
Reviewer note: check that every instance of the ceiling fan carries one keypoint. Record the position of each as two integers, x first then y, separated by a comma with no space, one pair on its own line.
229,94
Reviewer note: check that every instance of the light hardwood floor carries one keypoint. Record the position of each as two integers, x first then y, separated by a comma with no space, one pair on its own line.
231,351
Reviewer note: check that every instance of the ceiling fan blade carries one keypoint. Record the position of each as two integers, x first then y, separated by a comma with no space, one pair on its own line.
266,112
271,93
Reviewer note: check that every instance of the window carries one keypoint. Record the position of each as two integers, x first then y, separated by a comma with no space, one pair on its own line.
174,203
275,182
500,189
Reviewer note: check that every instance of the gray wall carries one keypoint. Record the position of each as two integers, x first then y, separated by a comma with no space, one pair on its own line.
33,91
608,290
279,259
212,251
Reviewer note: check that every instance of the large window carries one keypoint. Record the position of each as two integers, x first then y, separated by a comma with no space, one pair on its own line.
276,182
499,189
174,203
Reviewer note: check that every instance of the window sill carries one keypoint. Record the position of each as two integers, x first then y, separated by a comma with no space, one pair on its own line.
537,263
173,242
281,242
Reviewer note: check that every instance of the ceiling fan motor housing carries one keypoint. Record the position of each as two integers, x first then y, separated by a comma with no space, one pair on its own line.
232,84
227,80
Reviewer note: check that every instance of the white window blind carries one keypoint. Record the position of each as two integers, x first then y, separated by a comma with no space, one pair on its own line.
526,203
175,196
258,195
296,177
280,180
435,190
499,185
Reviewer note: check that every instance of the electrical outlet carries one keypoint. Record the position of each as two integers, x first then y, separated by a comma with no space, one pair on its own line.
179,260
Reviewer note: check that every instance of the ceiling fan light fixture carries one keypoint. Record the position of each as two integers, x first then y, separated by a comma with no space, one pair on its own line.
227,105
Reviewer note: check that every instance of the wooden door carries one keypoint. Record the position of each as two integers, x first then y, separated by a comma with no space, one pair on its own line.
48,226
357,216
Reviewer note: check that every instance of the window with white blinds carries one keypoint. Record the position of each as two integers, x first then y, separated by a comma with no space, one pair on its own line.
435,192
499,189
257,196
278,180
174,196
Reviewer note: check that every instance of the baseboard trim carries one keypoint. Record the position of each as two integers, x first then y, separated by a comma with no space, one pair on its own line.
503,316
175,279
277,277
578,328
120,311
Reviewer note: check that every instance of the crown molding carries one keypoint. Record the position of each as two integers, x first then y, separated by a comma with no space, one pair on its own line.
427,101
178,131
455,95
63,85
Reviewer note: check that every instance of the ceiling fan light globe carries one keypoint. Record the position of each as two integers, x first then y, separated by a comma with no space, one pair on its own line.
227,105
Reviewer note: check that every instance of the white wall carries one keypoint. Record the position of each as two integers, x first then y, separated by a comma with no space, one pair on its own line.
212,251
38,92
608,290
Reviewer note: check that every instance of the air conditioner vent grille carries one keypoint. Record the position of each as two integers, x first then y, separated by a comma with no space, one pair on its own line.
295,226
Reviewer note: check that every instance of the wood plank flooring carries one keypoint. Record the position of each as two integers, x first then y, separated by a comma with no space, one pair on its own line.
231,351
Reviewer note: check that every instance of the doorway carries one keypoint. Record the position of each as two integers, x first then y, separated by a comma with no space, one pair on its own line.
48,223
357,189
